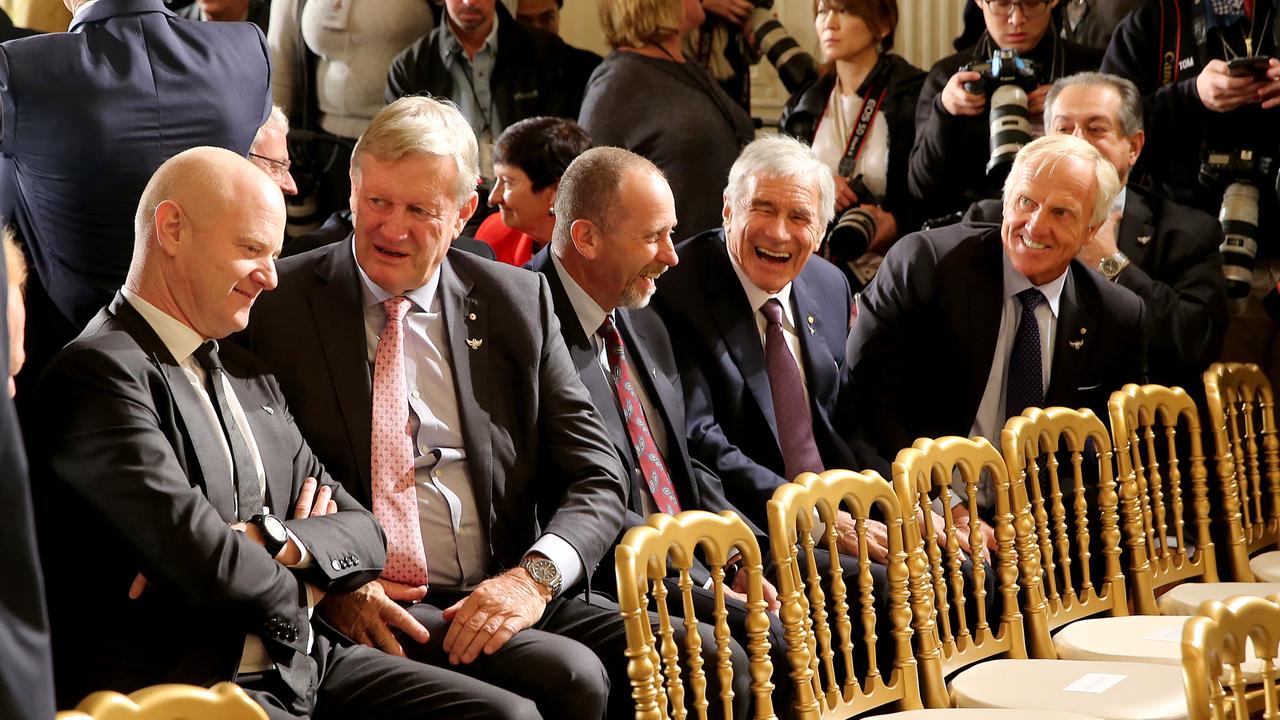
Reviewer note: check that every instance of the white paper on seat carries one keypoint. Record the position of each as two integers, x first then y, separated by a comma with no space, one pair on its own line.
1094,683
1169,634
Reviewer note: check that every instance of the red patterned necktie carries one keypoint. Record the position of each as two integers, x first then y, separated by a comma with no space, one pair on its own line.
395,497
652,466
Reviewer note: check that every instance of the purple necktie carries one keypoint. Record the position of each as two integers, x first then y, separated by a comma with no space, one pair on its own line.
790,412
1025,386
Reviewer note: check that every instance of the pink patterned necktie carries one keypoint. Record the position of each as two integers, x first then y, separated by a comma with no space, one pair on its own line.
395,497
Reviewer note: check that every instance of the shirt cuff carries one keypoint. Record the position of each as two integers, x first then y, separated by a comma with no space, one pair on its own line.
559,551
304,561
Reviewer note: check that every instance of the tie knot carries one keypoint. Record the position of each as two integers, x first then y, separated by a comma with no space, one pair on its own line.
207,356
396,308
772,310
1031,298
609,331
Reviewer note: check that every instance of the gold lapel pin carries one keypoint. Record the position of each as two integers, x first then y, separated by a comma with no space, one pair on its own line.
474,343
268,409
1076,344
472,316
1144,239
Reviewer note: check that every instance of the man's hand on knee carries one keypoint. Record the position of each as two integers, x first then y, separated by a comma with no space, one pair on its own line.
370,613
492,614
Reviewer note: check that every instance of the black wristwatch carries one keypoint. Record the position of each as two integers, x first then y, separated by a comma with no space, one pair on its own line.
274,535
543,571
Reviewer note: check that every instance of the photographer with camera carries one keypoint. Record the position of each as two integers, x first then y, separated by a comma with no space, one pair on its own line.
977,106
735,35
858,115
1165,252
1207,71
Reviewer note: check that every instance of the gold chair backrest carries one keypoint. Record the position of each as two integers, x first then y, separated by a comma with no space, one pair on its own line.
1247,455
815,655
655,664
224,701
1063,522
1216,643
1144,420
947,637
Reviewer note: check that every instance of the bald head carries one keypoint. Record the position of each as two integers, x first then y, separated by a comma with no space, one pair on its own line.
208,228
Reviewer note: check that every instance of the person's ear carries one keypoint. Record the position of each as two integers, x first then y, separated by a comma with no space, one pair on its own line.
586,238
465,212
1136,142
171,226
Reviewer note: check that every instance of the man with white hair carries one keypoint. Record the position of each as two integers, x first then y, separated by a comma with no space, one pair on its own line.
175,485
442,395
968,325
270,150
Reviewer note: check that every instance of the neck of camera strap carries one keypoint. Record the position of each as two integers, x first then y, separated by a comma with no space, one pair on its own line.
873,91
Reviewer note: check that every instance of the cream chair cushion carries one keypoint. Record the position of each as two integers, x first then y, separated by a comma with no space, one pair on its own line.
1185,599
1266,567
1108,690
1137,638
984,714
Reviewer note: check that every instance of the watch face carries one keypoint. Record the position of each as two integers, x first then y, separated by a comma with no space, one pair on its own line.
272,526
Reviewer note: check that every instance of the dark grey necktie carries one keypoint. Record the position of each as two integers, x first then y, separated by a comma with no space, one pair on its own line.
248,494
790,411
1025,387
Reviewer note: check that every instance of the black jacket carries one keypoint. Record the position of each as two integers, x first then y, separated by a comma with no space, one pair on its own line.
1176,268
804,111
535,73
949,159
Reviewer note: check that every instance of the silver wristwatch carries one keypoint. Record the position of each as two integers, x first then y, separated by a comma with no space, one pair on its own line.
543,571
1110,267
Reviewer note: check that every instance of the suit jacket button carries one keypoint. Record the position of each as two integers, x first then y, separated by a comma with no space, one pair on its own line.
337,564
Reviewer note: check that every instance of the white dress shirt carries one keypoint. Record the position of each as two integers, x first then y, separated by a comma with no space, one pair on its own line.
591,315
182,342
456,548
757,298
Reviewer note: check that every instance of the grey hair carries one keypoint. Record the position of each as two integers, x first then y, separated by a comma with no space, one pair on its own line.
425,125
1130,97
783,158
591,188
277,121
1047,151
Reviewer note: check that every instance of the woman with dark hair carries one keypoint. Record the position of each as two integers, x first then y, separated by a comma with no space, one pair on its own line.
859,116
528,160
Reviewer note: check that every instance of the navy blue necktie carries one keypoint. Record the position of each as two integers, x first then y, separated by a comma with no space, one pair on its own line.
1025,386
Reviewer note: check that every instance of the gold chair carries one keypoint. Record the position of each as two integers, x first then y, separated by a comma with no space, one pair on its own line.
822,660
224,701
655,664
1247,453
1217,644
1030,523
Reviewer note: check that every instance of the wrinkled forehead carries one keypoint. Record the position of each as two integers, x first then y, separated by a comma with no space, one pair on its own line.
1064,178
782,191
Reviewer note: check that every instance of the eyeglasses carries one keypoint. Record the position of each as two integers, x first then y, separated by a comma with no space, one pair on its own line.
1031,9
277,169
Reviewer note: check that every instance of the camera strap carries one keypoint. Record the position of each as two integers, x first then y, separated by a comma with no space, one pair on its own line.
873,92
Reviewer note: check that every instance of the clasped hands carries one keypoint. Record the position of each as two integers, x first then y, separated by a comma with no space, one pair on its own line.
311,503
877,535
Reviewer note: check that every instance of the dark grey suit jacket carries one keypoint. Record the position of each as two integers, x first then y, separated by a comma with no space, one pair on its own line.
540,459
653,365
132,479
922,345
1176,268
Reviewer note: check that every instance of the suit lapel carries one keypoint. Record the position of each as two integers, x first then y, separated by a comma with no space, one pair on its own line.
466,322
337,309
1072,343
737,324
985,301
254,399
819,364
1136,228
215,473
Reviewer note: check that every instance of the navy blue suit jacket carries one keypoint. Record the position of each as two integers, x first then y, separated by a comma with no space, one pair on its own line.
88,115
727,398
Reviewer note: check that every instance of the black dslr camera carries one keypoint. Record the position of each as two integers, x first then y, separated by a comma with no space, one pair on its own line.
1006,79
854,230
1242,172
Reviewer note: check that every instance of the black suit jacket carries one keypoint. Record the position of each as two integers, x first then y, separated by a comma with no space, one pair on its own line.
535,72
923,343
89,115
717,344
1176,268
540,459
652,364
134,480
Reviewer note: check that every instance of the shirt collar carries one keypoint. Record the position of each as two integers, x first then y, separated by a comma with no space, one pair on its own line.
589,312
1117,205
371,294
180,340
451,46
1015,282
757,297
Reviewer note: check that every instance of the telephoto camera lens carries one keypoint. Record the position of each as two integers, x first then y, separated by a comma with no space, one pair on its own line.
1239,218
793,64
852,233
1010,128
